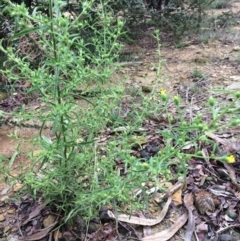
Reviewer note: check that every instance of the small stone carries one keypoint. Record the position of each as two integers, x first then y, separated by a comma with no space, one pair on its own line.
232,214
225,237
145,155
236,48
2,218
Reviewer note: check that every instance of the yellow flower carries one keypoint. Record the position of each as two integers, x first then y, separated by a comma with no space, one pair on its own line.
231,159
162,92
176,100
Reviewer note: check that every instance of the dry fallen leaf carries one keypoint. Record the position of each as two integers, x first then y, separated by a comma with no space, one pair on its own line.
188,202
179,185
39,235
177,197
168,233
57,235
49,221
34,213
142,221
18,186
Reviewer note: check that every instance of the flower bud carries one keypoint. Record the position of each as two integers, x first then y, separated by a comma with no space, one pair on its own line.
211,101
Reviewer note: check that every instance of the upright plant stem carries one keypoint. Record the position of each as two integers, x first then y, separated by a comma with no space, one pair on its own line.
58,90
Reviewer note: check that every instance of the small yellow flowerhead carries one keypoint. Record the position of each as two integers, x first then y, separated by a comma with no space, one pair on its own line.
230,159
162,92
163,95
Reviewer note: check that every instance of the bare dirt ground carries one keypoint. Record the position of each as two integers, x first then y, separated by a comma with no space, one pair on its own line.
218,59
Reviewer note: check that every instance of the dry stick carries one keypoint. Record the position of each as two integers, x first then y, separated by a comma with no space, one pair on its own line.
128,227
50,236
206,158
75,234
19,228
226,228
196,236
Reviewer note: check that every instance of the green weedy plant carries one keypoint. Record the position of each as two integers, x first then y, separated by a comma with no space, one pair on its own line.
67,170
184,132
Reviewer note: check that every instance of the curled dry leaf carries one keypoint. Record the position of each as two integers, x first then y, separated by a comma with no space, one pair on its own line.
169,232
188,202
34,213
39,235
141,221
204,202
